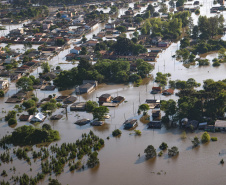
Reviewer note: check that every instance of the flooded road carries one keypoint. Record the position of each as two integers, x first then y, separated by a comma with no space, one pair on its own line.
119,161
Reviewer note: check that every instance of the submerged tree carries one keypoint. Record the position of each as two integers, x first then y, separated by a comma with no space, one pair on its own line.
150,152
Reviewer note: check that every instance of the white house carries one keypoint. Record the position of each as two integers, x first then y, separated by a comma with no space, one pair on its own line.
38,117
76,50
78,20
4,84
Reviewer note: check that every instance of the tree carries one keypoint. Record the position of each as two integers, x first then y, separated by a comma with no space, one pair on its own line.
84,39
121,28
93,160
54,182
58,15
32,111
195,141
25,84
150,152
91,105
83,51
151,8
46,127
205,137
163,146
2,93
184,43
12,121
144,108
100,112
11,114
116,132
173,151
45,67
29,103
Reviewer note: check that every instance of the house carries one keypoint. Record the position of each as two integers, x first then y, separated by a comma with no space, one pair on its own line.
97,123
39,117
156,90
220,125
105,98
56,117
61,98
4,84
110,26
91,43
82,122
15,76
156,114
76,50
48,88
196,3
79,106
85,88
25,117
168,92
163,44
131,123
156,40
153,104
155,124
192,124
202,126
70,99
118,99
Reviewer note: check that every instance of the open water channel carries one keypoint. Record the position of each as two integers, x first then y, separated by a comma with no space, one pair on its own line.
119,161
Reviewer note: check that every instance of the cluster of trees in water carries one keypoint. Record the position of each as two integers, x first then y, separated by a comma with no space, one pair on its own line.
28,135
170,29
102,71
203,105
54,159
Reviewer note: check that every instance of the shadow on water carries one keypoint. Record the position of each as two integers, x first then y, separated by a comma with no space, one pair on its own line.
102,128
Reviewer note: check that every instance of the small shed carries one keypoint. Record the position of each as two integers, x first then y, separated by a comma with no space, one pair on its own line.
105,98
56,117
221,125
168,92
79,106
118,99
202,126
97,123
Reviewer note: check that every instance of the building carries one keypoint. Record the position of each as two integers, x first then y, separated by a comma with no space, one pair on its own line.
70,99
168,92
118,99
79,106
105,98
4,84
87,86
156,90
131,123
155,124
220,125
76,50
25,117
38,118
82,122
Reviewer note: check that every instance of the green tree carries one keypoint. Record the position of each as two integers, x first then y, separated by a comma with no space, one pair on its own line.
100,112
45,67
91,105
205,137
54,182
163,146
2,93
29,103
150,152
195,141
32,111
25,84
121,28
93,160
144,107
11,114
12,121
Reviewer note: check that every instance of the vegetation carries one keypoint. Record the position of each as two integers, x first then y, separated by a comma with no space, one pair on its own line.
91,105
163,146
144,108
11,114
12,121
2,93
102,71
100,112
195,141
93,160
28,135
162,78
116,132
25,84
137,132
173,151
180,84
150,152
205,137
213,138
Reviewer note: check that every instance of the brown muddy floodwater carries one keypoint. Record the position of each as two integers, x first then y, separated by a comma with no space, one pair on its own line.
119,161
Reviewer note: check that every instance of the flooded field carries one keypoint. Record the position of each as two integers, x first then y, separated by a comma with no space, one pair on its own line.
119,161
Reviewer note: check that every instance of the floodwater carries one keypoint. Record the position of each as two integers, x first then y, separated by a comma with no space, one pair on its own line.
119,161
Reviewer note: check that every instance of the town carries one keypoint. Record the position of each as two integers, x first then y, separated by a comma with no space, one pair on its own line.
76,71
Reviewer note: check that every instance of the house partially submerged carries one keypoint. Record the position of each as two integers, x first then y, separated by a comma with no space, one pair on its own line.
87,86
168,92
82,122
155,124
220,125
156,90
97,123
153,103
25,117
39,117
56,117
70,100
156,114
4,84
105,98
118,99
129,124
79,106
